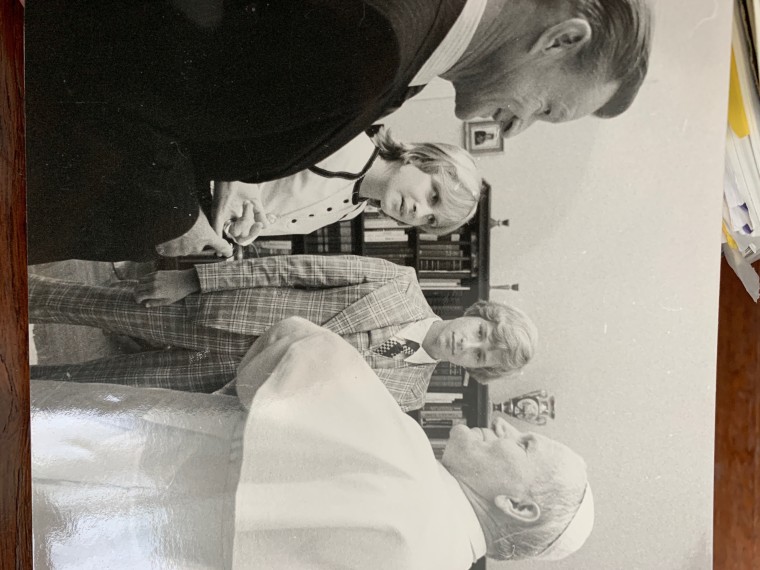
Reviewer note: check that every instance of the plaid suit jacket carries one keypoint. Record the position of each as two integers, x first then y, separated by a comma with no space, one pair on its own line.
365,300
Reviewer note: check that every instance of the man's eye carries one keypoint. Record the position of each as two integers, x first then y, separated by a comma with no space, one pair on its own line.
434,197
482,332
431,220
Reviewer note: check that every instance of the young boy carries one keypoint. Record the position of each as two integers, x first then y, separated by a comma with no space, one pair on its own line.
210,315
433,186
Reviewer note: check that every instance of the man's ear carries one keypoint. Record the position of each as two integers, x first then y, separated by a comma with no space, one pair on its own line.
524,510
563,38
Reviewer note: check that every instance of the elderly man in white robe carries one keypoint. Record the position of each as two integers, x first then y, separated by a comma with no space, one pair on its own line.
332,474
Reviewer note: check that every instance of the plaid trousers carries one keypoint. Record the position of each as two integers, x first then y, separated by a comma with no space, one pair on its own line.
188,356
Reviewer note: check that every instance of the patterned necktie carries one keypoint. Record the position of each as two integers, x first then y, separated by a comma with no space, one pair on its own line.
394,347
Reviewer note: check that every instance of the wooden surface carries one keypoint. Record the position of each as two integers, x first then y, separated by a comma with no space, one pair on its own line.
15,515
738,401
737,429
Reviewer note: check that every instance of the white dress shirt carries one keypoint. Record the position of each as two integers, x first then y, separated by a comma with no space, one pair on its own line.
416,332
453,45
335,475
315,197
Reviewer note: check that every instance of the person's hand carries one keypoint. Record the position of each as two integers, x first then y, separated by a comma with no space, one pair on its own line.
227,204
238,211
197,238
166,287
245,229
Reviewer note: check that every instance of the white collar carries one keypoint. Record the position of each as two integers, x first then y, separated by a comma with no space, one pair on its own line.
453,45
466,515
416,332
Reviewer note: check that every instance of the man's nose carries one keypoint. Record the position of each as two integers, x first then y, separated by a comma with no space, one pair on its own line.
503,428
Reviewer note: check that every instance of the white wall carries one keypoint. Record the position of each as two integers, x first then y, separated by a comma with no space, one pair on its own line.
614,239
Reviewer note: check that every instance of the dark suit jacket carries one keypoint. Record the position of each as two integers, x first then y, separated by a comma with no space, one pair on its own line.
132,104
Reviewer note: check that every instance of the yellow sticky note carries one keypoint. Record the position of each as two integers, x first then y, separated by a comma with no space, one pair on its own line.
737,117
729,239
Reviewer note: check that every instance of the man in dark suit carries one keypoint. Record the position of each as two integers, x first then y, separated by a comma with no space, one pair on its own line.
135,105
209,316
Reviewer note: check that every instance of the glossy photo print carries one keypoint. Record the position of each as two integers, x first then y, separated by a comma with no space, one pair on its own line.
370,284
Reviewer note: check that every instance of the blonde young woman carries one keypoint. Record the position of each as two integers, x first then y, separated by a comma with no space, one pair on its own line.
433,186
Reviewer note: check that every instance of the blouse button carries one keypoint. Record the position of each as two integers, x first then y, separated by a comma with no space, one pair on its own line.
293,221
329,209
311,215
345,201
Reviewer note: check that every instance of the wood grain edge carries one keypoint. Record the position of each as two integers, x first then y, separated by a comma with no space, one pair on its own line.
15,494
737,429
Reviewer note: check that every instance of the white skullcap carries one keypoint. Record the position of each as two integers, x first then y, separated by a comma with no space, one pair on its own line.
576,533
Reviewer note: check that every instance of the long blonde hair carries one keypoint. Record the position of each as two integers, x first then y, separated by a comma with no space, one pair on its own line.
453,170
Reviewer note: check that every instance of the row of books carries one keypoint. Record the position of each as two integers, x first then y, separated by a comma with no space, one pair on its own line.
381,229
448,376
449,284
439,445
269,247
449,304
441,266
437,418
333,239
443,263
402,234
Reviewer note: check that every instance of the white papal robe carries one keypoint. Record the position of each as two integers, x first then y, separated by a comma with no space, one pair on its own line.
335,475
325,472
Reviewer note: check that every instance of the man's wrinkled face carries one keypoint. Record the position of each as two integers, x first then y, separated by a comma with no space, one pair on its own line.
504,461
516,94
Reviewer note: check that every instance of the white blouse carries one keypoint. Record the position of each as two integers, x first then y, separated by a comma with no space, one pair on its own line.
315,197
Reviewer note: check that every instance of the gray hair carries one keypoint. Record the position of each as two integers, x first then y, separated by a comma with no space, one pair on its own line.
621,38
559,500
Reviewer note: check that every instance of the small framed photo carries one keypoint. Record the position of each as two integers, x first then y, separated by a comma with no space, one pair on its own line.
483,136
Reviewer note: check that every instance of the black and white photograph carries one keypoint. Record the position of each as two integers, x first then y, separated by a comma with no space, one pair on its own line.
483,136
284,315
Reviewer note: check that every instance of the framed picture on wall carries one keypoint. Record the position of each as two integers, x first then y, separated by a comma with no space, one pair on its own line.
483,137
